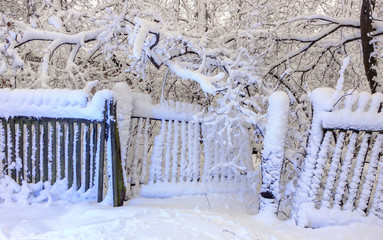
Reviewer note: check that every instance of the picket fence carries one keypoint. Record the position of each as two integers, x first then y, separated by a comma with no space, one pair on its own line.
343,165
63,140
172,154
162,151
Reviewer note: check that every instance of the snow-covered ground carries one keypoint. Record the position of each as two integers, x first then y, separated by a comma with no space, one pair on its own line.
214,216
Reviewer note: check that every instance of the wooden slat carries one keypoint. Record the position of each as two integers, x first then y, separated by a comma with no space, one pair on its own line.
319,166
78,155
21,150
100,190
54,152
353,185
13,147
367,187
5,161
45,151
331,175
144,166
344,171
29,153
70,153
87,156
62,149
94,150
118,183
38,149
137,154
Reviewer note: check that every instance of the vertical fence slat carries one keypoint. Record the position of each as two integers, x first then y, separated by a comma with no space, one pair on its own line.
144,167
346,166
196,157
45,151
13,146
189,175
319,166
353,186
62,150
37,130
136,155
29,151
371,174
175,150
5,161
102,156
331,176
78,154
54,149
21,151
118,182
87,156
94,151
70,153
168,145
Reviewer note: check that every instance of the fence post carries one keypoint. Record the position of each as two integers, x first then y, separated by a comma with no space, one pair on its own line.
273,151
118,181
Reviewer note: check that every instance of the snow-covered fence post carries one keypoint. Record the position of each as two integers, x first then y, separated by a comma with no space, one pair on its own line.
118,179
273,151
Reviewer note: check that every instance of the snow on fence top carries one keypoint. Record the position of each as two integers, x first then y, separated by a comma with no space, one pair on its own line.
181,111
350,110
53,103
65,103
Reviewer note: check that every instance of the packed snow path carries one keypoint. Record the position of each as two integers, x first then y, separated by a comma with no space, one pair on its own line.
188,217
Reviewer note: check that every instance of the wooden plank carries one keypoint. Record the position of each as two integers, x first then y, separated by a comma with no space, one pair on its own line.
45,150
29,153
54,152
100,184
317,177
344,171
62,150
70,153
94,151
78,155
36,124
331,175
21,150
5,161
13,146
87,156
118,182
367,188
360,161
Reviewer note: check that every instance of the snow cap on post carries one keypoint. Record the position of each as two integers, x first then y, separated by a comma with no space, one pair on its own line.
273,151
322,99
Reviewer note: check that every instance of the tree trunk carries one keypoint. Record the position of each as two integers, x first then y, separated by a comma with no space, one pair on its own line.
369,60
202,16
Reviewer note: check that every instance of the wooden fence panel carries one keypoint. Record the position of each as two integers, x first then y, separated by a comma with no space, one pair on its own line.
49,149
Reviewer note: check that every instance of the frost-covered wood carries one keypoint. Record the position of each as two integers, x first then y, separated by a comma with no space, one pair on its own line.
65,152
273,151
349,177
178,161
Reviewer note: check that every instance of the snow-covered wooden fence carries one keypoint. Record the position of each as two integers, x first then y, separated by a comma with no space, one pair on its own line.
170,153
343,166
60,136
